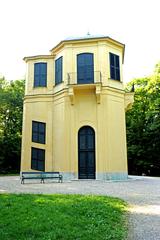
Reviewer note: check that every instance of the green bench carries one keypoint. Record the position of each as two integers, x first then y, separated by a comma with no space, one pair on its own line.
52,175
41,175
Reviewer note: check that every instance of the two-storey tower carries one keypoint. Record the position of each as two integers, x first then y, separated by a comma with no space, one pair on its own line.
74,110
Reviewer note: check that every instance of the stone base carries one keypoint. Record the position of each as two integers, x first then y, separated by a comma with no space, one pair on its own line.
69,176
112,176
99,176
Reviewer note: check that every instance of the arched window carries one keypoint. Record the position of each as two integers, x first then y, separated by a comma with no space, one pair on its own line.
85,68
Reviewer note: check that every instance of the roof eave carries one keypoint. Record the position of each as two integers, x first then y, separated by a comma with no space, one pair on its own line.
61,44
38,57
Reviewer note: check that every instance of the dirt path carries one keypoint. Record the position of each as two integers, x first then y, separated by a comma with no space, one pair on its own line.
142,193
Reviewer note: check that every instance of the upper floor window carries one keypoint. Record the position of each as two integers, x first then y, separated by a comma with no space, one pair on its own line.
114,66
40,74
85,68
38,159
38,132
58,70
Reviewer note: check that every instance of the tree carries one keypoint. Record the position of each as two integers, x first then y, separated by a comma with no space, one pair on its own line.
143,126
11,108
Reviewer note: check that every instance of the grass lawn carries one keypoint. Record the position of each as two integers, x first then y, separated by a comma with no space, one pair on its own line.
9,174
67,217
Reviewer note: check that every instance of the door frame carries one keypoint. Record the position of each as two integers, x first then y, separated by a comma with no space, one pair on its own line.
94,133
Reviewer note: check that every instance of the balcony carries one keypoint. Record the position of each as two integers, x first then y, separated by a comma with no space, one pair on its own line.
84,78
88,80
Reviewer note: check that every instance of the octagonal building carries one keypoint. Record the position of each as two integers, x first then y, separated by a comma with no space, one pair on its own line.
74,110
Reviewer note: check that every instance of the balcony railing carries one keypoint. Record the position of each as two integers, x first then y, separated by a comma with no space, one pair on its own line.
93,78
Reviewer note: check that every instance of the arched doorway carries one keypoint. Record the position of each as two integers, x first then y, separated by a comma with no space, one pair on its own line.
86,153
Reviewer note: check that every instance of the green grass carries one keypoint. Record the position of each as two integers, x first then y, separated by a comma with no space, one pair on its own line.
9,174
67,217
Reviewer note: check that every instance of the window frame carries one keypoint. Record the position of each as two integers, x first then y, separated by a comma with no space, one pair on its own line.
39,135
40,74
85,68
37,158
59,70
114,61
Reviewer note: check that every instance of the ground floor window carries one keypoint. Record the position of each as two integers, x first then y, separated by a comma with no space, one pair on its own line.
38,132
38,159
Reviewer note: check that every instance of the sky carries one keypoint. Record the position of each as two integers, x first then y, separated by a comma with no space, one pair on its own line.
33,27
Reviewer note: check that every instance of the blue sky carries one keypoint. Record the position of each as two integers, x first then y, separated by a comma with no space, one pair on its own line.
30,27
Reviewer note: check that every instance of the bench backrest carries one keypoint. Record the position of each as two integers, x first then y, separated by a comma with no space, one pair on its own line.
51,174
39,173
31,172
35,174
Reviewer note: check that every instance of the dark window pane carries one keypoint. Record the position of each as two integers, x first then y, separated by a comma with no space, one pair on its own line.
40,154
37,159
37,68
43,80
90,142
34,153
81,60
113,72
89,59
117,61
117,74
58,70
89,131
111,59
40,74
114,66
38,132
40,166
34,164
34,126
83,131
34,137
90,159
36,80
85,68
82,142
83,159
41,138
43,68
42,127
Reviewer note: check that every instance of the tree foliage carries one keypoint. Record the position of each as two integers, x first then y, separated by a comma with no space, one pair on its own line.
143,126
11,108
